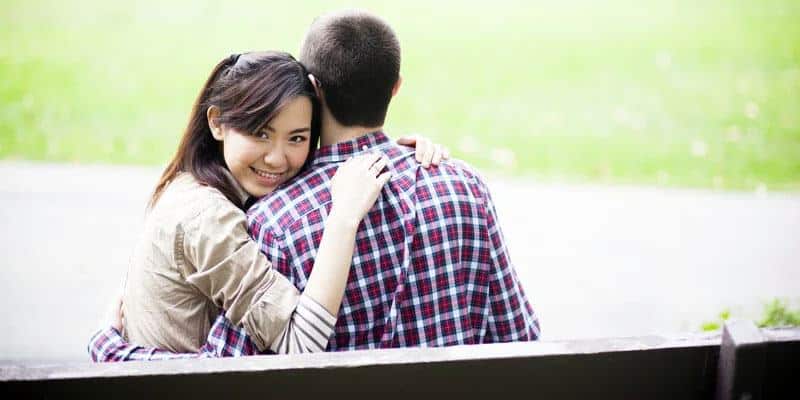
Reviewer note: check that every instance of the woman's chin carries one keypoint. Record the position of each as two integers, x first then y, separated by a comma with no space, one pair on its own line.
259,190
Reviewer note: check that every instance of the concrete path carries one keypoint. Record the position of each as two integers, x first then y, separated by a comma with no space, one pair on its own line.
594,260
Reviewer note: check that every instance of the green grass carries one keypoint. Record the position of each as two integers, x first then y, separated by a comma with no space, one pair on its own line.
685,93
776,313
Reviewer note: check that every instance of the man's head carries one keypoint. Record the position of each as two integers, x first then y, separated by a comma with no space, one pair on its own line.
355,58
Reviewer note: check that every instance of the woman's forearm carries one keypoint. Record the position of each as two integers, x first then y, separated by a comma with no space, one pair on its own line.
332,265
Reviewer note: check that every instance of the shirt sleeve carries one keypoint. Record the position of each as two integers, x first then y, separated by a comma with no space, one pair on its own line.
511,317
308,331
107,345
225,264
224,340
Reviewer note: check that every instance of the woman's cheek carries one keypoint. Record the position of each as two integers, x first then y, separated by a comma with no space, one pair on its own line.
250,152
298,156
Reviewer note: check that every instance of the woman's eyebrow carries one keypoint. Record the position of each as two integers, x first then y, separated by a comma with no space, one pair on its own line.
298,130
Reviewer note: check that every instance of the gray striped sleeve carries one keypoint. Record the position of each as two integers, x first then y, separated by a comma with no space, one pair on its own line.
309,329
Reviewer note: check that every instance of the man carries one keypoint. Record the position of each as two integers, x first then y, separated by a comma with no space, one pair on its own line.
431,267
430,264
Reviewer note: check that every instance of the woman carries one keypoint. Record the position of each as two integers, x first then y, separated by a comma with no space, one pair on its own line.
252,128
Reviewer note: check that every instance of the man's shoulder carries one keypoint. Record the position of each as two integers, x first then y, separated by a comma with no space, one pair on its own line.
456,169
452,180
403,159
450,177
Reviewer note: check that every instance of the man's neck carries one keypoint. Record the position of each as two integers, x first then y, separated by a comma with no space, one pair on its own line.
332,132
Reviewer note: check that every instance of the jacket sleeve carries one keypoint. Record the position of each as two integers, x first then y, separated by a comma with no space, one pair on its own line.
224,263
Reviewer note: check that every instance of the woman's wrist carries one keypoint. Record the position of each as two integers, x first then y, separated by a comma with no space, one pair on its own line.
341,220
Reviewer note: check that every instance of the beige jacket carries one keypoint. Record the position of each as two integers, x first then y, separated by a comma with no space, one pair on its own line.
195,258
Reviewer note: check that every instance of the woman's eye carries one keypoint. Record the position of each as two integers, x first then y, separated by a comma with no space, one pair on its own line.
297,139
262,135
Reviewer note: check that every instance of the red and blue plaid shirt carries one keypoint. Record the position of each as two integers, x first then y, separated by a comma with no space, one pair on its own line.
430,267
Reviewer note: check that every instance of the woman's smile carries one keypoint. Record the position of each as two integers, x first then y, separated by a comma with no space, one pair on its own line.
268,178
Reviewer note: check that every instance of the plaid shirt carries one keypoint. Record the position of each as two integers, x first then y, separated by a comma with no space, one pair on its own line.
430,264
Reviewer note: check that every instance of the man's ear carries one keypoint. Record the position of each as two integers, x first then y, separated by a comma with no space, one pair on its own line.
213,123
316,84
397,85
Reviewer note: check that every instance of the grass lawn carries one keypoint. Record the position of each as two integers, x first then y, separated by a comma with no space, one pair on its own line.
685,93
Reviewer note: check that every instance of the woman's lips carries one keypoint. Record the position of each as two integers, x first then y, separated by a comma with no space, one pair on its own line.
267,178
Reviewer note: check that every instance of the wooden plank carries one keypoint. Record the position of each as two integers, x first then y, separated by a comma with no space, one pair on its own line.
645,367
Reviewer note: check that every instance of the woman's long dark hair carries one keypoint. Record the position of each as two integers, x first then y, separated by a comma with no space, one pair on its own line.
250,89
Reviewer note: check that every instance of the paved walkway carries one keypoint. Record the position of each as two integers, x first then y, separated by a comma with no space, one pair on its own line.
595,260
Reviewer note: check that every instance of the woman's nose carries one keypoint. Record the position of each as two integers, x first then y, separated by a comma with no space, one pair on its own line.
275,157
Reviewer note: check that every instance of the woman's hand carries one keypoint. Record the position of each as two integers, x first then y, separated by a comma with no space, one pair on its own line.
356,186
428,153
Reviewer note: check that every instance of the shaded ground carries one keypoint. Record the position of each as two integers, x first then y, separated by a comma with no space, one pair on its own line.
595,260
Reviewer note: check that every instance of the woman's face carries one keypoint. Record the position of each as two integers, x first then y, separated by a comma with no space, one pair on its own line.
272,156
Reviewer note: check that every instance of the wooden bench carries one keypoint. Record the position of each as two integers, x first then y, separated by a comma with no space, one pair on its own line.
743,363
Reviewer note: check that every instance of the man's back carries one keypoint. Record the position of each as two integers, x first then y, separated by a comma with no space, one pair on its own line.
430,264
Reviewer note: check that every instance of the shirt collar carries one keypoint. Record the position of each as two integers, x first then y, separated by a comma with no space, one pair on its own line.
343,150
240,192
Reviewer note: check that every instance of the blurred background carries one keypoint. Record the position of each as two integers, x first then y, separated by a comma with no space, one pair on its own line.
645,156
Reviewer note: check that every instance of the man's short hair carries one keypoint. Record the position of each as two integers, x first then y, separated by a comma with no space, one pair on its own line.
355,56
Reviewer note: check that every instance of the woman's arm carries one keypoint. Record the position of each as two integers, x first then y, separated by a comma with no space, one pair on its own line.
354,189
